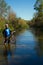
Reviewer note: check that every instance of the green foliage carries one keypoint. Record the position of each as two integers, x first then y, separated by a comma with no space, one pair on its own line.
37,21
39,9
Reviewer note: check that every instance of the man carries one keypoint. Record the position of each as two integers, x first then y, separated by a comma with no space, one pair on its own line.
7,34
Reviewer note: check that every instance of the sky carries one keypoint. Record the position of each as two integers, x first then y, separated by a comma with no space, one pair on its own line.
23,8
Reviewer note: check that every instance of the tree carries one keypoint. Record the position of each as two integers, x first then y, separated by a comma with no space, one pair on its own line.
11,16
39,9
3,8
39,14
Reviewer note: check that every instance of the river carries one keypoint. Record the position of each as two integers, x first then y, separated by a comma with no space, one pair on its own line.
26,51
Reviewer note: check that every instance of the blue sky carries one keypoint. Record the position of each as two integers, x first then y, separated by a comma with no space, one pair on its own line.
23,8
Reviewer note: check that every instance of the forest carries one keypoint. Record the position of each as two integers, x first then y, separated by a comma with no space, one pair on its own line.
37,21
7,15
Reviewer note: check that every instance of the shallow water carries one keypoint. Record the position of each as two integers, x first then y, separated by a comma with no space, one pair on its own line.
24,52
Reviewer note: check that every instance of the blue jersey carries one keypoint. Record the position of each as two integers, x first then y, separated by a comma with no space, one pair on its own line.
7,32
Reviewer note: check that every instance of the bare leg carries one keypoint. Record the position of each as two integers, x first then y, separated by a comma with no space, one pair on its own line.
8,43
5,46
5,43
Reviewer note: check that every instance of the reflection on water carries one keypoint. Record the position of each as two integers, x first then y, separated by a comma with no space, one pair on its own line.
28,50
40,43
7,55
